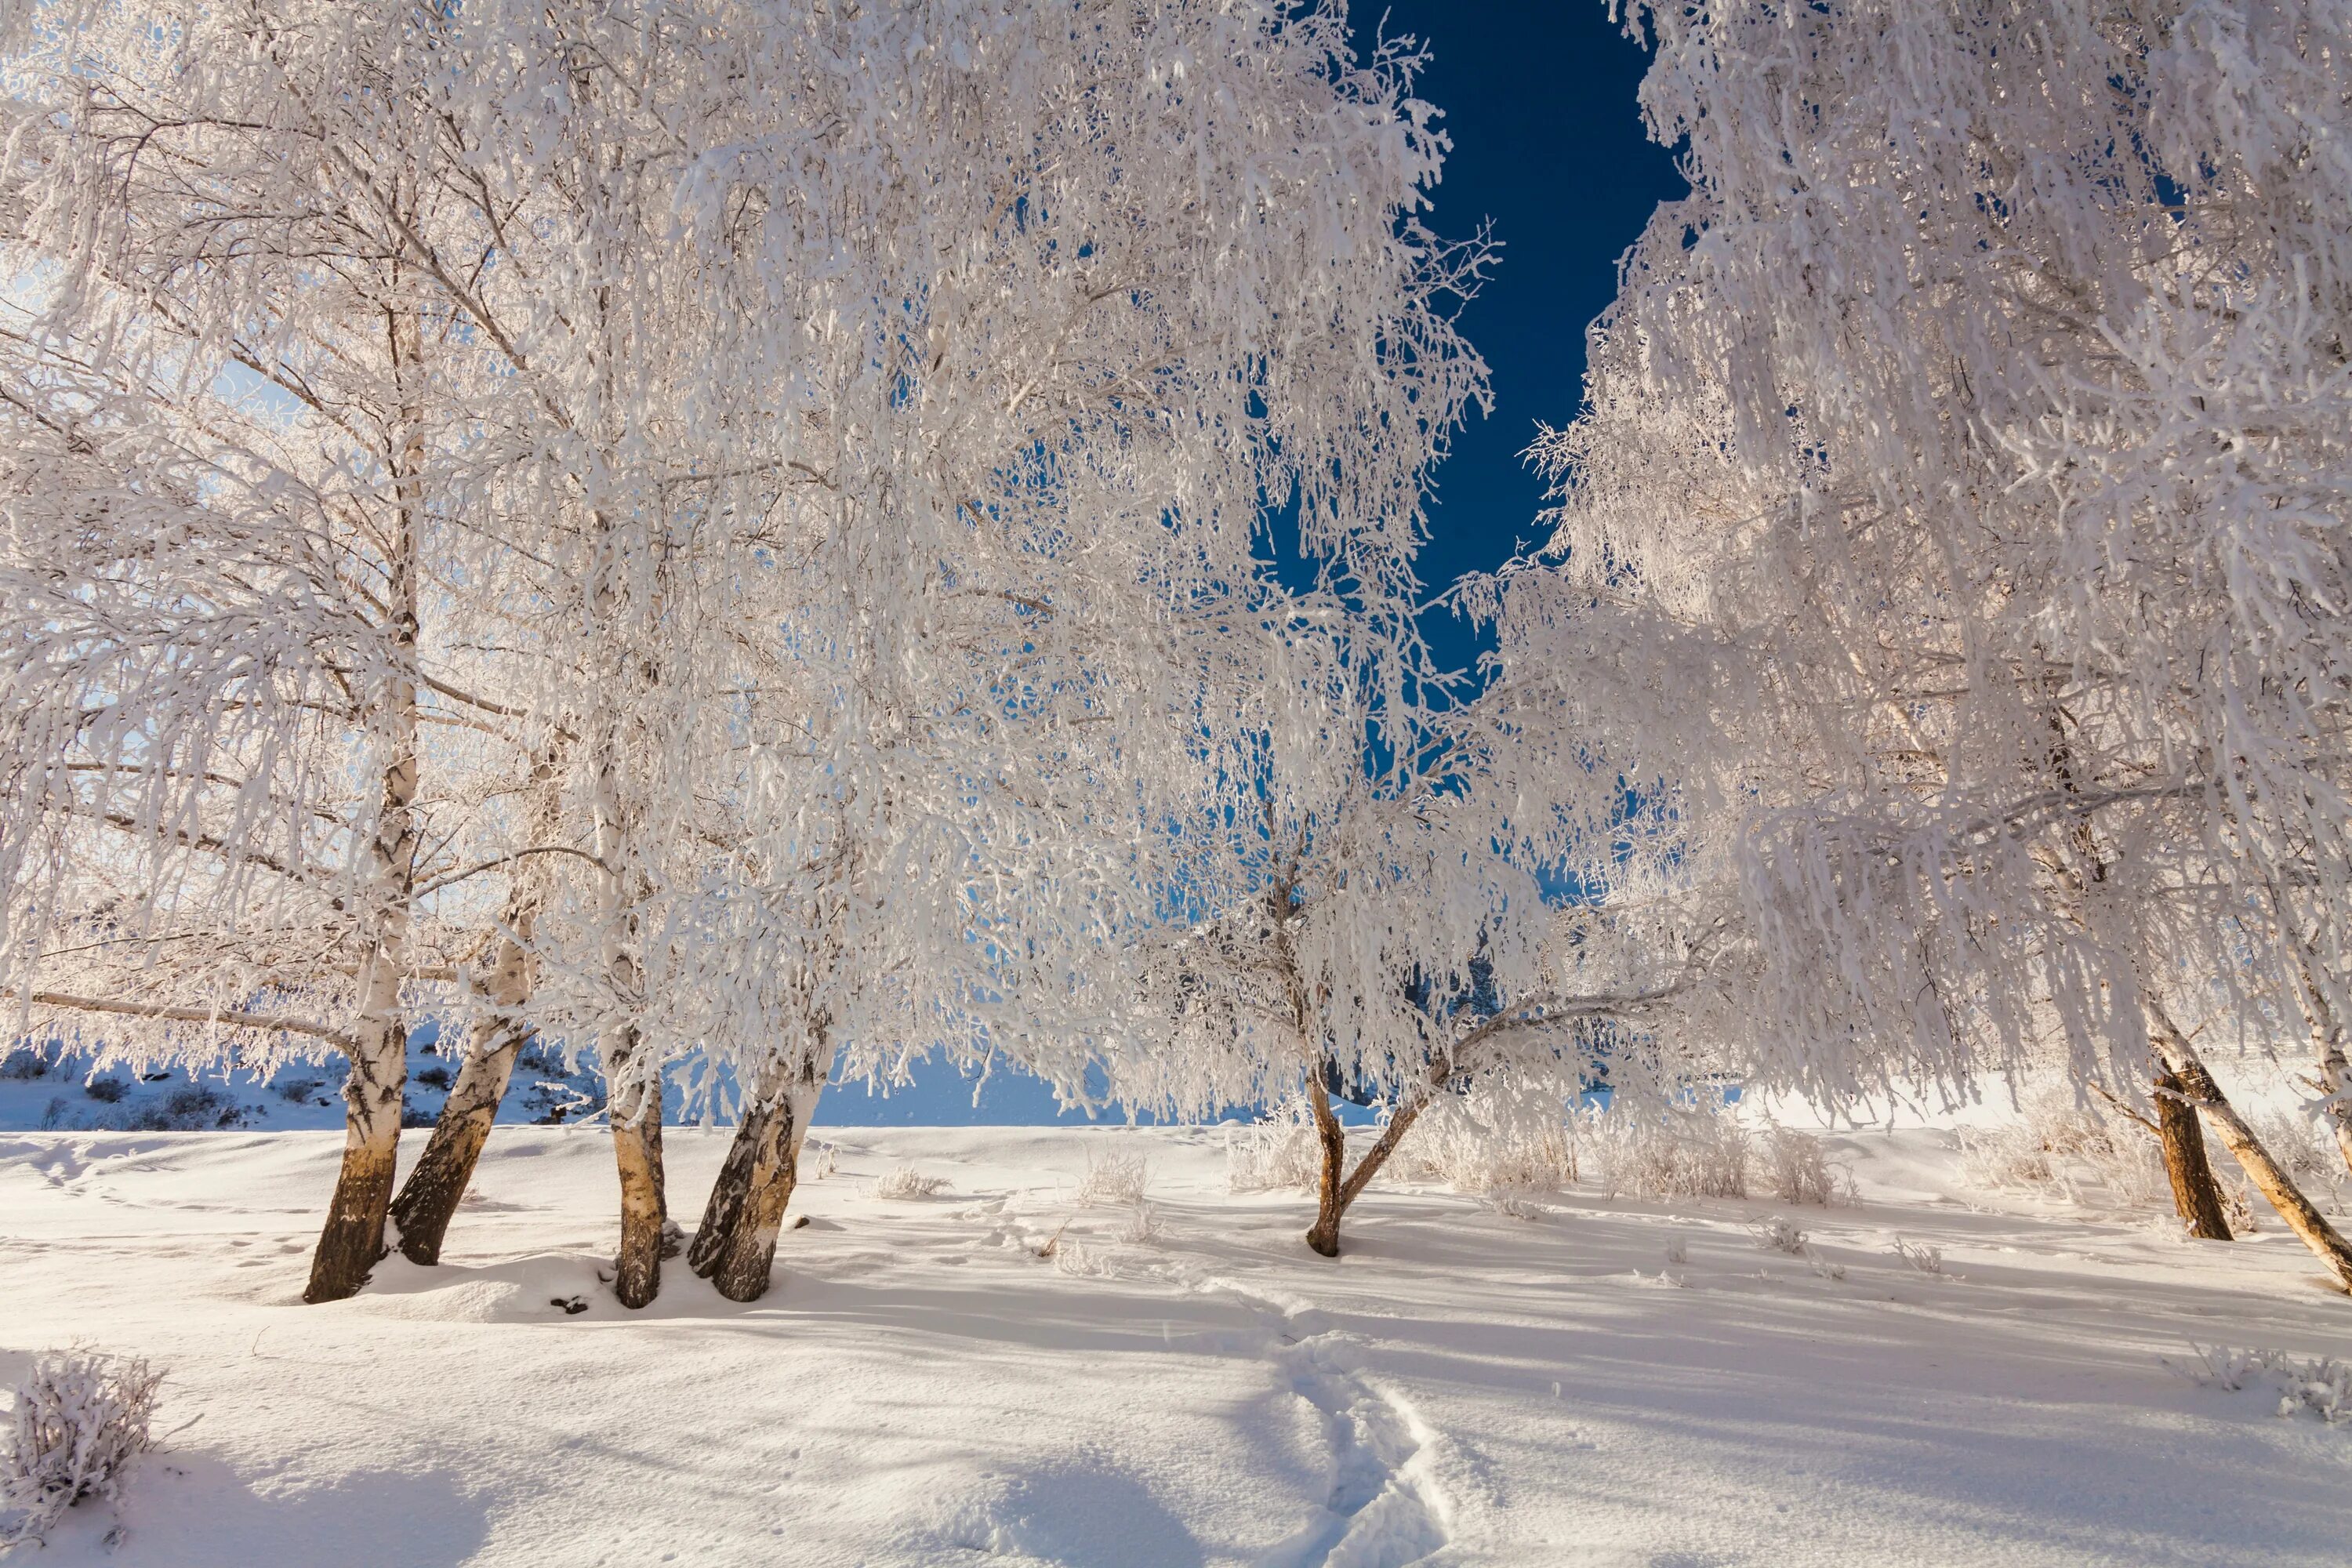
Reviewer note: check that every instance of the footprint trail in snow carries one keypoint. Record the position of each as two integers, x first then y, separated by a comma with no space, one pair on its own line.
1386,1508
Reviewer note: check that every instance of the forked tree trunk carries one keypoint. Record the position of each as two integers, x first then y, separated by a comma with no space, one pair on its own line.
741,1250
637,1152
429,1200
2198,1086
1338,1187
2195,1193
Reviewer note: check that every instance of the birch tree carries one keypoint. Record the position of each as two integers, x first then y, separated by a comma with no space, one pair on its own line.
1164,263
1952,527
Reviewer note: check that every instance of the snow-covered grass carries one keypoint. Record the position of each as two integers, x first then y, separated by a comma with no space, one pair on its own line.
1112,1176
921,1388
2305,1385
2060,1146
1277,1152
1670,1153
906,1182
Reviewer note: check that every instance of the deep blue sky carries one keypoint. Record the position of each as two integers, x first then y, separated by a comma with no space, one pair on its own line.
1549,147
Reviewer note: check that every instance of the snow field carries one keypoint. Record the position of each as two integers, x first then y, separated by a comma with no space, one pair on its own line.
1465,1385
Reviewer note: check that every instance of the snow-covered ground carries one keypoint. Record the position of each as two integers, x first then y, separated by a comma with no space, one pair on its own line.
920,1387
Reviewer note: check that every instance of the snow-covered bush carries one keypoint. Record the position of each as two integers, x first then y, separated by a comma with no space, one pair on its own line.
906,1182
2320,1387
1779,1235
1142,1226
1792,1167
1503,1136
1112,1178
1075,1259
1670,1153
80,1419
1275,1152
2063,1147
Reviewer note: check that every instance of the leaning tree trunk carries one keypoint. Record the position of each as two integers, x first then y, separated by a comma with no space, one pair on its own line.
737,1241
429,1200
734,1183
2304,1219
2195,1193
1338,1187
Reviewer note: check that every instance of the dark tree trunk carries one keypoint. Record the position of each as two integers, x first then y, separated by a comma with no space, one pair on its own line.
351,1243
2195,1193
735,1249
1338,1187
734,1186
429,1200
2303,1217
1331,1139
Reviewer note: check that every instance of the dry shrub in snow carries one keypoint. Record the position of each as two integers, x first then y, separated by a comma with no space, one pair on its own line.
2063,1147
906,1182
1669,1153
1074,1257
1791,1166
1505,1135
1277,1152
1927,1259
1113,1178
1142,1226
80,1419
2321,1387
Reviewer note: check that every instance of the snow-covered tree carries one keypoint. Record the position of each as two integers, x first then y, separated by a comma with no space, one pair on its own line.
248,761
1164,264
709,502
1953,539
1374,923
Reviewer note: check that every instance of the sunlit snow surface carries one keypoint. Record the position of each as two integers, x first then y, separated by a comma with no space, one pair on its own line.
919,1387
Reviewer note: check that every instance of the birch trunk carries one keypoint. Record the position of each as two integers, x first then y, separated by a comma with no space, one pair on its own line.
637,1113
353,1240
742,1266
2335,1074
725,1205
429,1200
2200,1090
2195,1194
